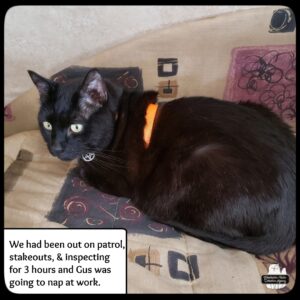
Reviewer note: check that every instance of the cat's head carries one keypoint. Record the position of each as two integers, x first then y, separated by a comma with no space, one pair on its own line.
77,116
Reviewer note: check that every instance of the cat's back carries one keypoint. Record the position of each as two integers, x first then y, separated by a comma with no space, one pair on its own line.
223,118
232,165
245,134
216,111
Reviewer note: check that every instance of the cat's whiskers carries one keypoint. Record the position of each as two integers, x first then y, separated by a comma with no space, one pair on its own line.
108,157
105,151
107,161
110,163
102,164
96,166
113,151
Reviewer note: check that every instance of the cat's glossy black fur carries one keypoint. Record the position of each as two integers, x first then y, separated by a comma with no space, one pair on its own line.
220,171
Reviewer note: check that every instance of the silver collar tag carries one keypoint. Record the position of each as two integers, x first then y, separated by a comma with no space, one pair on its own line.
88,156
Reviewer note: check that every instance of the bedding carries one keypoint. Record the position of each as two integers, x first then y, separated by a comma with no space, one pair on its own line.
246,60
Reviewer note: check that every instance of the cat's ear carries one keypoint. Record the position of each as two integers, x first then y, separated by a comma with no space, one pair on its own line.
93,93
43,85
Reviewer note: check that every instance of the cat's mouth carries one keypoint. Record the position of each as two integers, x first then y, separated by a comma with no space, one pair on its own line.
65,156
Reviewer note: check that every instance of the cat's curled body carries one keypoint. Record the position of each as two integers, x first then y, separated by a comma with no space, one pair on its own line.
221,171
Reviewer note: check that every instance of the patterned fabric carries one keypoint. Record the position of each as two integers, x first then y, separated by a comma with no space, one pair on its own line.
82,206
265,75
129,78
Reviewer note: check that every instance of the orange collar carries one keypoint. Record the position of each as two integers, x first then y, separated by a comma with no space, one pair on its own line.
150,117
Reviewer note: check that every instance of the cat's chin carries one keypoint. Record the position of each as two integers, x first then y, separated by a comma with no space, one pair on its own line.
66,157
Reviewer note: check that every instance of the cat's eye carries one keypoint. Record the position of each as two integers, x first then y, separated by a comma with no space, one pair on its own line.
47,125
76,127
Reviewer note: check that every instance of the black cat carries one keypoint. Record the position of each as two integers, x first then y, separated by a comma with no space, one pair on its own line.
220,171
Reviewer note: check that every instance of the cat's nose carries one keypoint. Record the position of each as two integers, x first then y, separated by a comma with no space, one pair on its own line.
57,148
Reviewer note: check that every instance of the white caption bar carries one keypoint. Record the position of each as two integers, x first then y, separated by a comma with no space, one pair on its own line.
65,260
